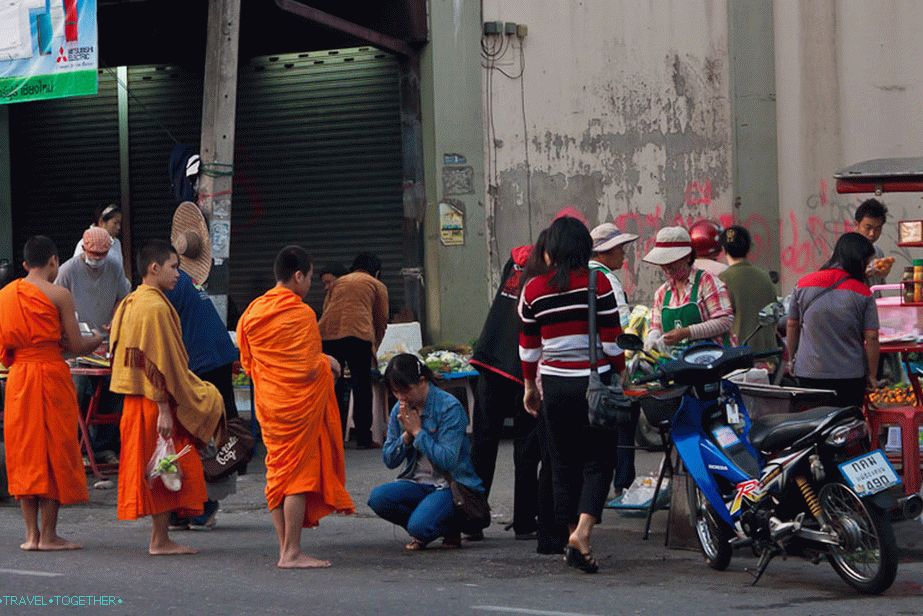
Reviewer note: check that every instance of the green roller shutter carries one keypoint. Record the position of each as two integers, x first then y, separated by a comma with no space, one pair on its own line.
65,163
317,163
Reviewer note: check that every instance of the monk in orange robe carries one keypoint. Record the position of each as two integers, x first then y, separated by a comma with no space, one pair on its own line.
43,460
280,348
162,397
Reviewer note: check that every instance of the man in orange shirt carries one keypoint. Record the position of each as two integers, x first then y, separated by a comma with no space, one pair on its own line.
40,424
162,397
352,326
280,348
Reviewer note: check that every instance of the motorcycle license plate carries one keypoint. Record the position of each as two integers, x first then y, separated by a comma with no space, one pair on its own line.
870,473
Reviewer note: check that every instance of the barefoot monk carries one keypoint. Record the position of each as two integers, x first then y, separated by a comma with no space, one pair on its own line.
162,397
37,322
280,348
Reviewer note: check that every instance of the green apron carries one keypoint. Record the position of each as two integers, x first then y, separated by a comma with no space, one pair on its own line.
685,315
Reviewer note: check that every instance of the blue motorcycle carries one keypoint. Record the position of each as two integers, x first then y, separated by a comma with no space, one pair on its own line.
801,484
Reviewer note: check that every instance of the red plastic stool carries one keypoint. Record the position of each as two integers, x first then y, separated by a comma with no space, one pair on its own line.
909,419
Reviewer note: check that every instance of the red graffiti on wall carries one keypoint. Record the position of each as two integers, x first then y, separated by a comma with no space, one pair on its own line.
812,242
698,193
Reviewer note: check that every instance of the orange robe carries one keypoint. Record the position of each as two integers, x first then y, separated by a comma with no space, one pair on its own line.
139,439
40,419
280,348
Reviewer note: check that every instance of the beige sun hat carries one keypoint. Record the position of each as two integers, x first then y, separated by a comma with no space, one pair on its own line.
189,235
607,236
673,243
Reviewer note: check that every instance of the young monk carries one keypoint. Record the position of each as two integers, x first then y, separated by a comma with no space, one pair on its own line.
280,348
162,397
37,322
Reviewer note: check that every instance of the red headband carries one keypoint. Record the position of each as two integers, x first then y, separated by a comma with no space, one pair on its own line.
673,245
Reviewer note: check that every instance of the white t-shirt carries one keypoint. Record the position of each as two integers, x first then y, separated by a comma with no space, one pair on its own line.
621,298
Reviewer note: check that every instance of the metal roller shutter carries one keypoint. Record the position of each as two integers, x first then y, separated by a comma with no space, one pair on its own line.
65,164
318,163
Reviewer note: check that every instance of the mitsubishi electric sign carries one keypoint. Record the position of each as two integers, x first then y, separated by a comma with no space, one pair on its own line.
48,49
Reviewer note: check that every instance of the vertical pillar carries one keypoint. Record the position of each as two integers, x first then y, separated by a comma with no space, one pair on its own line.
6,192
414,193
217,143
124,168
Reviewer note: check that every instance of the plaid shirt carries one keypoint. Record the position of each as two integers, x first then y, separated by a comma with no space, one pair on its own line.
713,300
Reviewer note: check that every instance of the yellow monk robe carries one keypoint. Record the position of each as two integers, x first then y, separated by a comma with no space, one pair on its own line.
150,364
280,348
40,420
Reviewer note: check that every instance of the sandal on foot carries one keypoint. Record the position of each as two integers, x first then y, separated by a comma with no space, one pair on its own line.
415,545
451,543
578,560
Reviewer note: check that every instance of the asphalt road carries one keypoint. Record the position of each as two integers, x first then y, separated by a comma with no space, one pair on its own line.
235,572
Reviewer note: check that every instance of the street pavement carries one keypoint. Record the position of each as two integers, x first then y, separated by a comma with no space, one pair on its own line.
235,574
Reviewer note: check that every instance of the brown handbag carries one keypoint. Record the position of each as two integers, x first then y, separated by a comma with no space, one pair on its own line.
471,506
234,450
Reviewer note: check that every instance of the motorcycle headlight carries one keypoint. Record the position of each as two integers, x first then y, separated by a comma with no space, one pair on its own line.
846,434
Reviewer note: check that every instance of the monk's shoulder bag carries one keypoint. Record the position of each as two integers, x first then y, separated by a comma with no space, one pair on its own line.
234,450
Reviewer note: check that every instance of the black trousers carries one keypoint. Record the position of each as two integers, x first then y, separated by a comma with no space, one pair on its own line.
849,392
222,378
582,457
625,458
498,398
357,355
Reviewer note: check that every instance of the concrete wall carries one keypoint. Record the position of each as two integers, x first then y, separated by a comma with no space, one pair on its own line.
627,117
849,83
456,285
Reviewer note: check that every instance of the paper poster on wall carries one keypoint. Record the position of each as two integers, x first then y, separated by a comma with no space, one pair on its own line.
48,49
451,224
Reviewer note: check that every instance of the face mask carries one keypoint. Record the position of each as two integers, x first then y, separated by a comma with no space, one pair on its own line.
93,263
677,272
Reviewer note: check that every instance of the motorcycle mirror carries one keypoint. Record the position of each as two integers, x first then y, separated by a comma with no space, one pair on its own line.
630,342
771,313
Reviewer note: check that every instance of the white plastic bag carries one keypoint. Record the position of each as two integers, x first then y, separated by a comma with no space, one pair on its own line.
163,464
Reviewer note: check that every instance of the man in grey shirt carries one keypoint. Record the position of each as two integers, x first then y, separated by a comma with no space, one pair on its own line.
98,284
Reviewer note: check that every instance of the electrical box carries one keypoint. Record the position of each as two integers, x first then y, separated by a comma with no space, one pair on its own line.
522,30
493,27
510,28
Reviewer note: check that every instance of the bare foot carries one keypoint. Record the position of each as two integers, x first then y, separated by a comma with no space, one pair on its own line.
56,544
580,542
170,548
31,545
302,561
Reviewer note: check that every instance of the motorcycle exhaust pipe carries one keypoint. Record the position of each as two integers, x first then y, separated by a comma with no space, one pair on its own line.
910,506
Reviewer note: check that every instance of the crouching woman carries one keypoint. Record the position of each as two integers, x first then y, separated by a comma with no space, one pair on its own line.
426,431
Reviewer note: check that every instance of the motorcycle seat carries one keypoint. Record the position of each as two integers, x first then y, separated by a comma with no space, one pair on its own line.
775,432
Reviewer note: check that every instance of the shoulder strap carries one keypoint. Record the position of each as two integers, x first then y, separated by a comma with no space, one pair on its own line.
694,295
591,317
823,292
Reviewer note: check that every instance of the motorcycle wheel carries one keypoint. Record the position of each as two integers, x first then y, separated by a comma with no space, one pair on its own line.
867,556
714,536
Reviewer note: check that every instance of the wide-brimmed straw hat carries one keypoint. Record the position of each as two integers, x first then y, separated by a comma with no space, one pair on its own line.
673,243
607,236
189,235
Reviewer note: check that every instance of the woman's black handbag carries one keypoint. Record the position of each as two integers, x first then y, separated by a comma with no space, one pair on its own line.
471,506
234,450
608,406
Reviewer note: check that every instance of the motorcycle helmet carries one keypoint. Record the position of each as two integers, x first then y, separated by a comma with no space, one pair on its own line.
706,239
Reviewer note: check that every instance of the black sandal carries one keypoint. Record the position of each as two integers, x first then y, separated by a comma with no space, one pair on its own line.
578,560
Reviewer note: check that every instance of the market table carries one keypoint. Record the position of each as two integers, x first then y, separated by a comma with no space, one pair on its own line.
91,417
908,418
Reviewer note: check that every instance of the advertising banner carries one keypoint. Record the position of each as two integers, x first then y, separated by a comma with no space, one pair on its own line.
48,49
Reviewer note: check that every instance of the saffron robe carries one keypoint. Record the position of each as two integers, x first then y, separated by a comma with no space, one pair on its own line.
280,348
40,419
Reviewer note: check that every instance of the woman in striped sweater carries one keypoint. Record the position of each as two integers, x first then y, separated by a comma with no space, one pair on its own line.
553,309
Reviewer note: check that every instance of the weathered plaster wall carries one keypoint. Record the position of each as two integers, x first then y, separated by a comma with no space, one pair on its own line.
627,118
849,84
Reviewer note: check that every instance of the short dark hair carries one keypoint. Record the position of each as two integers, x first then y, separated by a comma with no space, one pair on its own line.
106,212
334,269
872,208
851,253
290,260
154,251
405,370
569,246
38,251
736,241
366,262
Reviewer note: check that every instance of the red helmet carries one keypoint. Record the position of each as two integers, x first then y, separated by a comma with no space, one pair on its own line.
706,239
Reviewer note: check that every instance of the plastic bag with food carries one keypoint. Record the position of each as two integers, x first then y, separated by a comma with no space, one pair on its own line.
163,464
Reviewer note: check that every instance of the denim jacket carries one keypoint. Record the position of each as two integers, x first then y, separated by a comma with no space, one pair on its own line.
442,440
